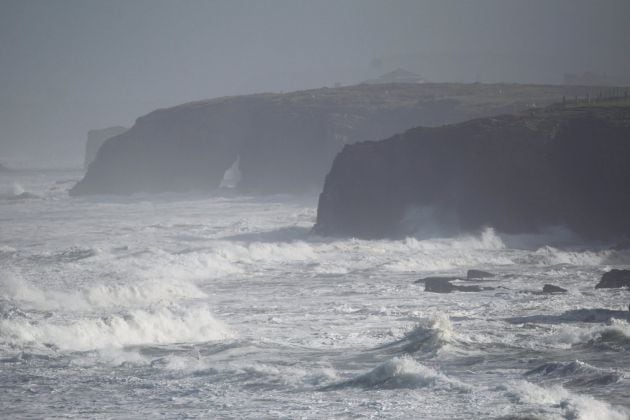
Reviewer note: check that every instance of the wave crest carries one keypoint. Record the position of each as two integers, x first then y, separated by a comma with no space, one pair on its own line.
402,372
576,373
137,327
429,336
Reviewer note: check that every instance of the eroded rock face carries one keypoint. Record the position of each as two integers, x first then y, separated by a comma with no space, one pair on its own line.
614,279
285,142
517,173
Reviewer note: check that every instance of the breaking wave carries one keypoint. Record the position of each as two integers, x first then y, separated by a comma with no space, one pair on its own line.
612,337
98,296
428,336
558,401
402,372
575,373
136,327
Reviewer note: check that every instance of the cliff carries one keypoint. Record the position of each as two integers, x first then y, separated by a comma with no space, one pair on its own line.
95,139
285,142
564,165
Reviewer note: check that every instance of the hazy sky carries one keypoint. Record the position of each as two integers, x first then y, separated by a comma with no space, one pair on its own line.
67,66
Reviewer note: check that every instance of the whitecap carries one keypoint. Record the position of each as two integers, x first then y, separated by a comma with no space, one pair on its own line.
137,327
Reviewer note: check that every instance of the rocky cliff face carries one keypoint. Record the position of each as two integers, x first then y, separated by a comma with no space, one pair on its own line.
95,140
285,142
517,173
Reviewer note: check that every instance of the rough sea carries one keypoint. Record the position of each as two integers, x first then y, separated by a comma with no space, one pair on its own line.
210,306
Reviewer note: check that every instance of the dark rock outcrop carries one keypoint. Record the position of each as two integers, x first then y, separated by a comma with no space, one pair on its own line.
96,138
285,142
478,274
443,285
437,279
563,165
550,288
614,279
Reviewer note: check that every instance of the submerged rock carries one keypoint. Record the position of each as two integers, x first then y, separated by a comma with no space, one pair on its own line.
436,279
550,288
438,285
614,279
478,274
558,166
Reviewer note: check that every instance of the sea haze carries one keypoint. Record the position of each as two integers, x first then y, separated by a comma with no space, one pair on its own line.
188,305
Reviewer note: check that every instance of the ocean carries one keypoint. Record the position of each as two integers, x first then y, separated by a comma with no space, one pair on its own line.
228,306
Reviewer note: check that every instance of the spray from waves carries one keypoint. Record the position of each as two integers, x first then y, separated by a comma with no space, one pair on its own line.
15,288
575,373
548,255
426,337
402,372
16,192
557,402
137,327
486,240
447,253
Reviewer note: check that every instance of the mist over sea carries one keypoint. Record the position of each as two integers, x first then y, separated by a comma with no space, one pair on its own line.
182,305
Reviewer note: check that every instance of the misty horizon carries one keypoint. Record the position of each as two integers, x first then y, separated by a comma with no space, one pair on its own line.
71,66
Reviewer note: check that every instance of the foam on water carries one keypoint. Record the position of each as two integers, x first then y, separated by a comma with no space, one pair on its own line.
557,402
548,255
122,293
139,293
137,327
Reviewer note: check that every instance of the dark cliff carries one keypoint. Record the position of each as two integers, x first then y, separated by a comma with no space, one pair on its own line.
286,142
96,138
517,173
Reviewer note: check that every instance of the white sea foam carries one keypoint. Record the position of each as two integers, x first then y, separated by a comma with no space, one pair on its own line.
140,293
560,403
129,282
136,327
223,258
